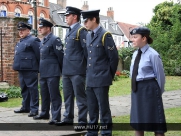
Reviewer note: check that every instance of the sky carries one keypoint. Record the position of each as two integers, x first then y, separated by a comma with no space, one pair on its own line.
127,11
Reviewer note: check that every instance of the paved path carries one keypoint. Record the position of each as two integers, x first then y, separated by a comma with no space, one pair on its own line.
119,105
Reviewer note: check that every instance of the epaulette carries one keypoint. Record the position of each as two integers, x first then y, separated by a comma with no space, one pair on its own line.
103,37
78,32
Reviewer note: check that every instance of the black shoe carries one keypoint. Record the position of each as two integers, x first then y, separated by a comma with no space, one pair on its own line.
80,127
64,123
31,114
52,122
21,110
40,117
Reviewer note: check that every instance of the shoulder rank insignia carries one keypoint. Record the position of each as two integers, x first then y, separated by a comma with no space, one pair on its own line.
110,48
58,47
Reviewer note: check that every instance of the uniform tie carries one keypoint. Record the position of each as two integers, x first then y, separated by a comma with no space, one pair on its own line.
69,29
44,39
92,34
135,70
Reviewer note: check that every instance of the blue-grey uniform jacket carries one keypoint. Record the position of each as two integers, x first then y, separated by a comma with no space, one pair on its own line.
102,59
74,62
51,56
27,54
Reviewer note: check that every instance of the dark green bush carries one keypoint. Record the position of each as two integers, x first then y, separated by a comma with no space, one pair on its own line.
13,92
126,54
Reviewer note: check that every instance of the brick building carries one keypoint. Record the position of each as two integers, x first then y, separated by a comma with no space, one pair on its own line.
11,12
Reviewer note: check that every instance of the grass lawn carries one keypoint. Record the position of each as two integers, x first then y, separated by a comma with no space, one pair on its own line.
172,116
119,87
13,102
123,85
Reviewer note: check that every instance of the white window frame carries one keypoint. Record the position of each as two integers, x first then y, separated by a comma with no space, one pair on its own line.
104,23
17,11
42,15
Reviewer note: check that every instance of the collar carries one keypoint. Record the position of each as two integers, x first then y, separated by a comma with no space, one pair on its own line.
28,36
73,25
144,48
47,35
95,30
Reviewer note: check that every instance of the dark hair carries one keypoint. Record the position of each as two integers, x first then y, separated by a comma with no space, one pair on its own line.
149,39
78,17
97,19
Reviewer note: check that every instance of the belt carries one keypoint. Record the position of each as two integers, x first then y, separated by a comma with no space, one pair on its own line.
146,79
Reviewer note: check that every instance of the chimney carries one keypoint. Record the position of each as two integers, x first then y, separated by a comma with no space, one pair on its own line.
110,12
85,6
62,3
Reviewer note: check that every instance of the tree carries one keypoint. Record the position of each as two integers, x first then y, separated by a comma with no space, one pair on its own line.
165,28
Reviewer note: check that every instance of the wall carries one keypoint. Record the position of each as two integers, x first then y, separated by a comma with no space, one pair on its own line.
9,41
8,24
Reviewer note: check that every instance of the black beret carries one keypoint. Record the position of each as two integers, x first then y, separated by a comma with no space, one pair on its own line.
72,10
23,25
43,22
90,13
140,30
143,31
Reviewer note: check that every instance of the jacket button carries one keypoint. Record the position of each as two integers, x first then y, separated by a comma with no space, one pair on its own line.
89,65
90,58
91,45
90,51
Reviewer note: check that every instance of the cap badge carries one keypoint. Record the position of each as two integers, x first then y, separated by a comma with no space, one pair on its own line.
134,31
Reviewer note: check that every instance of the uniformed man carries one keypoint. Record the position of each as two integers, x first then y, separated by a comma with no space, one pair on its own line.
102,64
51,57
26,62
74,69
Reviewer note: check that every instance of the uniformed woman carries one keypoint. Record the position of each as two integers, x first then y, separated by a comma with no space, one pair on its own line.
148,79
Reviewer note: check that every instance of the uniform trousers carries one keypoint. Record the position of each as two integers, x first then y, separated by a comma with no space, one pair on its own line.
74,87
29,90
50,93
98,101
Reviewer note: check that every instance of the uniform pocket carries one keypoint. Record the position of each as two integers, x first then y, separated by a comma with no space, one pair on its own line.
26,63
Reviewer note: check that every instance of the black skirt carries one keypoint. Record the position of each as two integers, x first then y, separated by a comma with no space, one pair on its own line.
147,113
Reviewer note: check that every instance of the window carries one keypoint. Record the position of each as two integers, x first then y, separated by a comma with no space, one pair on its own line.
3,11
63,18
30,15
115,39
42,15
17,12
119,41
105,24
114,25
30,20
41,3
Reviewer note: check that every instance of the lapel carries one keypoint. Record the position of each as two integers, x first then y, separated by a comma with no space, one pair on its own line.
73,29
49,36
96,35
